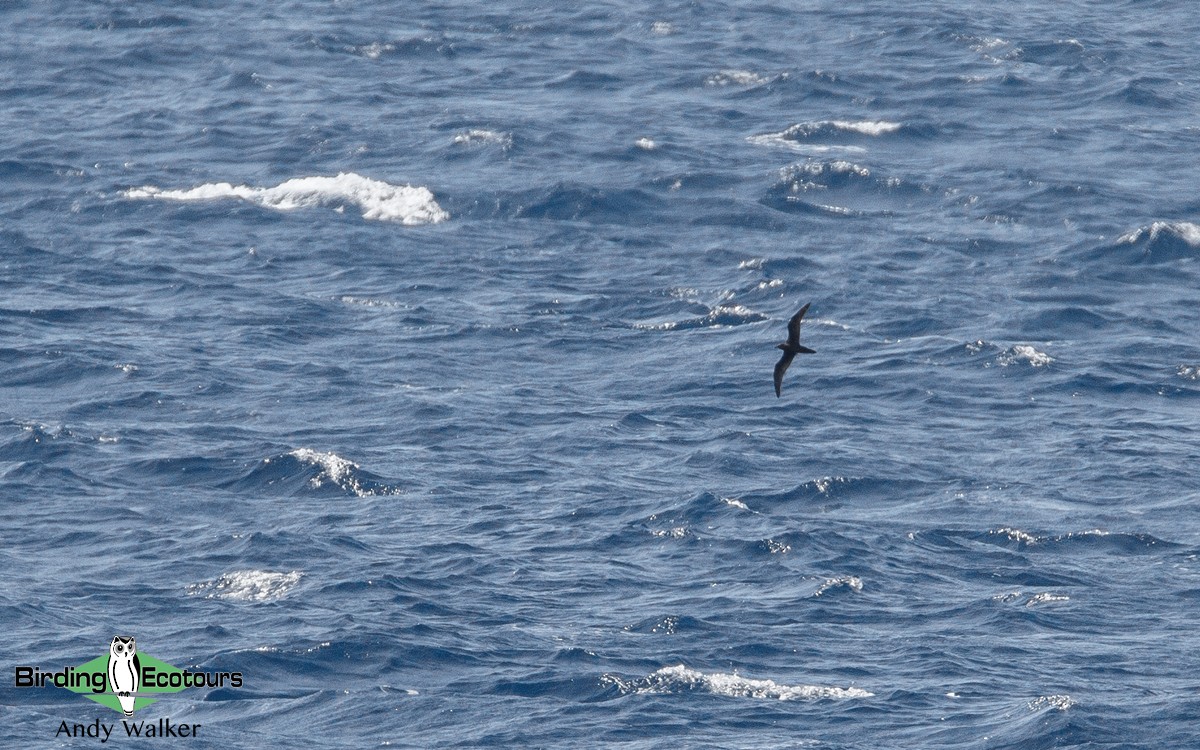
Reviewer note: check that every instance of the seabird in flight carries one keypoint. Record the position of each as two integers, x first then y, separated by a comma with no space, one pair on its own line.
790,348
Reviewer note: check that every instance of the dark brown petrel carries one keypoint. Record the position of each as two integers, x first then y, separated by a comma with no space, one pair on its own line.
790,348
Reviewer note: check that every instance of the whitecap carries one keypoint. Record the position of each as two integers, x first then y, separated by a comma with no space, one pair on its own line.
1034,600
1016,535
681,679
1184,230
736,78
339,471
374,50
380,201
776,547
348,299
839,167
867,127
862,127
1024,353
721,316
779,140
797,137
824,484
850,583
483,137
1191,372
646,144
675,532
248,585
1054,702
1046,597
820,175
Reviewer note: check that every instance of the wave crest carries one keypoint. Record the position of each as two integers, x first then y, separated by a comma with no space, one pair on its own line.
721,316
304,470
378,200
681,679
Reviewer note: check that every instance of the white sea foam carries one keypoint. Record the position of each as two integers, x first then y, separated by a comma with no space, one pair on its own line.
248,585
736,78
867,127
721,316
1024,353
348,299
1054,702
796,137
675,532
862,127
483,137
777,547
646,144
378,200
681,679
1046,597
374,50
817,175
850,583
338,471
1184,230
1031,600
1016,535
779,140
824,484
840,166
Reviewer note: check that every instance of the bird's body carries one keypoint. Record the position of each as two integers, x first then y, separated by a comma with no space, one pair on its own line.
790,348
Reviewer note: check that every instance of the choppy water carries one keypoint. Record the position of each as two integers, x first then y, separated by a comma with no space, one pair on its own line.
415,361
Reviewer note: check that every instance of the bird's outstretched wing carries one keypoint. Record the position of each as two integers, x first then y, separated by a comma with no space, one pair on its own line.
780,368
794,325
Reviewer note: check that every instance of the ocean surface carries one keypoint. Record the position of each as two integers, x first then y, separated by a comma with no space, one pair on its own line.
414,361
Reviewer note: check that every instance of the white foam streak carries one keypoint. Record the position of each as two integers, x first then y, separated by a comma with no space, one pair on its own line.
866,127
777,140
679,679
795,138
378,200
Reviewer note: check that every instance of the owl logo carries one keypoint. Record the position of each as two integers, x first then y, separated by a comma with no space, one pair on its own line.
124,671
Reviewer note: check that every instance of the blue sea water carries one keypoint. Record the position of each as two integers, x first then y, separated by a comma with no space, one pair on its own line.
414,360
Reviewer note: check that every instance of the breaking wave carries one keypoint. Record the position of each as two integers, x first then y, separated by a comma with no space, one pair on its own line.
681,679
378,200
719,317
